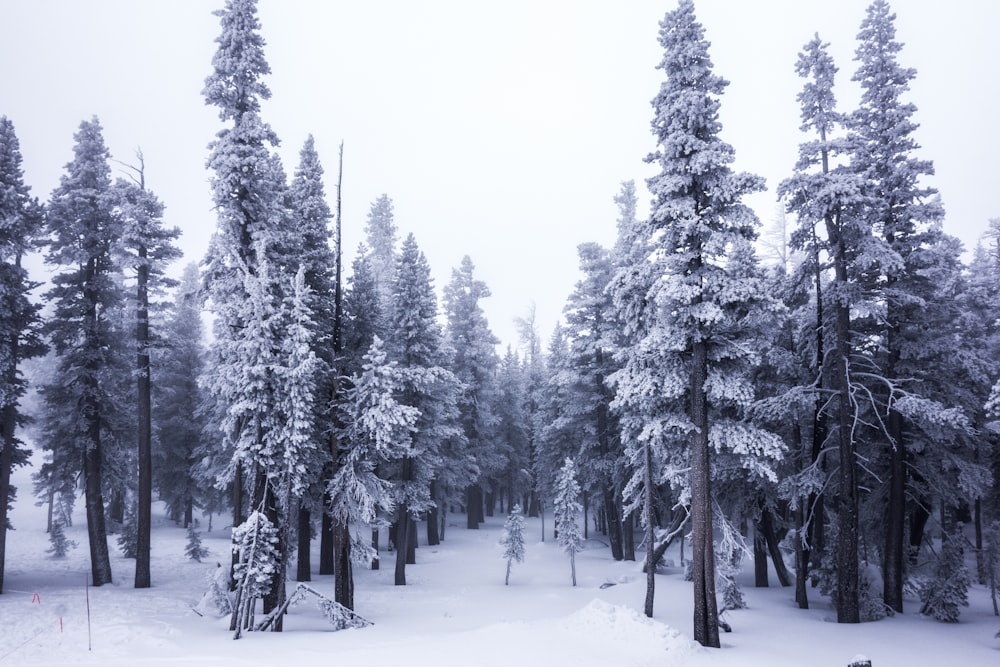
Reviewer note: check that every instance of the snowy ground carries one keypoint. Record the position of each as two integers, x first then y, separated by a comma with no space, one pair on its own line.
455,611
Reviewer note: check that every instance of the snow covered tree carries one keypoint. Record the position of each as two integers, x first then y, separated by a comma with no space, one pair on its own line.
512,539
474,363
177,420
20,226
591,329
194,549
61,544
822,192
566,509
416,345
512,431
380,235
948,588
146,246
312,215
709,311
248,268
256,541
84,298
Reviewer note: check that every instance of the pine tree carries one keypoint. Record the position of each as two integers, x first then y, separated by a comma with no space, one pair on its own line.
177,420
474,363
147,247
376,429
512,539
249,264
84,297
194,549
60,543
591,330
566,509
380,234
20,226
948,588
416,344
709,310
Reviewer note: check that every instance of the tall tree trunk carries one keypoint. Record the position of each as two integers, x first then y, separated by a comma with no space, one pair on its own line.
237,492
773,542
892,567
706,611
145,485
344,580
628,537
474,506
97,533
759,558
375,559
303,569
647,510
613,519
326,558
848,598
8,415
401,536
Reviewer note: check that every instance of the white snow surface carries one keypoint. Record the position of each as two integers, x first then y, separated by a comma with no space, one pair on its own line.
454,611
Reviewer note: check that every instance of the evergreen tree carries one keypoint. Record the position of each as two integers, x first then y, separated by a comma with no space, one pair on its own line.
709,310
312,216
512,539
194,549
84,298
512,431
380,234
60,543
416,345
249,266
377,428
591,327
474,363
820,191
948,588
20,226
178,422
146,247
566,508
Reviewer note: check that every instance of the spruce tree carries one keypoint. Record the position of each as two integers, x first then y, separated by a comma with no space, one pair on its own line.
709,311
20,227
84,297
474,363
147,246
512,539
177,419
416,345
566,509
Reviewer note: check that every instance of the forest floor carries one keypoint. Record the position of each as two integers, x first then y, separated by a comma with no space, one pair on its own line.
454,611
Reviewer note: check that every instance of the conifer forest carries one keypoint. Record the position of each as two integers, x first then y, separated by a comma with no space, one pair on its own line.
819,400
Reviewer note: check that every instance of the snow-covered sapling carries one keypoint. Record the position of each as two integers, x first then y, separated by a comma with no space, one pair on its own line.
567,509
194,550
948,588
513,539
60,543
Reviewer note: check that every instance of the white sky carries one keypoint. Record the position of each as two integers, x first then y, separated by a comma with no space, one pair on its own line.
500,130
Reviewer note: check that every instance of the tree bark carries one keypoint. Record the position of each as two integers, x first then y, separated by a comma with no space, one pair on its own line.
433,536
647,509
401,536
303,569
344,580
773,542
145,485
759,558
326,558
8,415
474,506
97,534
892,591
706,612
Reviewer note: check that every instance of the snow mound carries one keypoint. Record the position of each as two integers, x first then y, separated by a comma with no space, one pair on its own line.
635,636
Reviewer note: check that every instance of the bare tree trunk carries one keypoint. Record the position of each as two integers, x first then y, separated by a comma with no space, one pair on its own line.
401,535
892,591
6,463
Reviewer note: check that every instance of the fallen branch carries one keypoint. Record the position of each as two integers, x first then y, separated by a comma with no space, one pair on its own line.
339,616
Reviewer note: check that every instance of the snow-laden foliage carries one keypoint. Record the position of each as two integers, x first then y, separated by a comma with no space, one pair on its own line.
60,544
512,539
194,549
947,590
255,542
566,510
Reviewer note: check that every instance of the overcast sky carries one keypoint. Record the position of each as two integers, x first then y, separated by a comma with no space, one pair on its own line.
500,130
